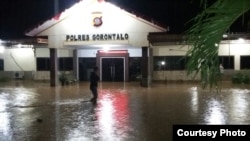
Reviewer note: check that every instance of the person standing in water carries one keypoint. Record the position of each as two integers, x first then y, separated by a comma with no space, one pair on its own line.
221,69
221,72
94,78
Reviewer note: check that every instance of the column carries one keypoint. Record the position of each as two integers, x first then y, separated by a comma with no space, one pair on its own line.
144,67
150,66
53,67
75,64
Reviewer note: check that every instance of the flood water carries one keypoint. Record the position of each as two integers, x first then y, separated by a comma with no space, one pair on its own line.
34,111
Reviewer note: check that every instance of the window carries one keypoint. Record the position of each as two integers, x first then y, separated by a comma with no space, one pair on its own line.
134,67
227,61
65,63
43,64
1,65
85,67
87,62
244,62
170,62
158,60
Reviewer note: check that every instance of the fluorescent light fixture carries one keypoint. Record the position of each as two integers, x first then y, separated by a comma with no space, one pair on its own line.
106,48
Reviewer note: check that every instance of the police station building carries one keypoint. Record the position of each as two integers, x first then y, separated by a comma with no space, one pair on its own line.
124,46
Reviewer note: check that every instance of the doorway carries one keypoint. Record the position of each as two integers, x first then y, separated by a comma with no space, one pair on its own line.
113,65
112,69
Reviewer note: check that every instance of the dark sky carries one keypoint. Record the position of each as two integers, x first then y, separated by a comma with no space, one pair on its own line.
16,16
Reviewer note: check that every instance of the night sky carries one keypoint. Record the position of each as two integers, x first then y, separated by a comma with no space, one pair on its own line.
16,16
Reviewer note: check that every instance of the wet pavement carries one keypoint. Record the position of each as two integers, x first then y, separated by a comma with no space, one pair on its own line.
34,111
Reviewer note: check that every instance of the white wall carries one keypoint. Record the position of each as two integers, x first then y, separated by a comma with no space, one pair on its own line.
45,52
228,48
136,52
170,50
87,52
225,49
236,50
42,52
78,20
19,59
24,59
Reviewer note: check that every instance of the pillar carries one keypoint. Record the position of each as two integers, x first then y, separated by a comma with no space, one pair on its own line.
53,67
75,64
144,67
150,66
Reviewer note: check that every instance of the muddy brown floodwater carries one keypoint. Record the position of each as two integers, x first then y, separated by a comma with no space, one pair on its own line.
34,111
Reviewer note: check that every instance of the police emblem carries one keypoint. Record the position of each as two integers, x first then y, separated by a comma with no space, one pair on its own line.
97,21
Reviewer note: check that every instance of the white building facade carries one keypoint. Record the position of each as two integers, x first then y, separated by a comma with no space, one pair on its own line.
98,33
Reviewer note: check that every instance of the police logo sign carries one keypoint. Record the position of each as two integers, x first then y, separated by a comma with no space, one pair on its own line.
97,21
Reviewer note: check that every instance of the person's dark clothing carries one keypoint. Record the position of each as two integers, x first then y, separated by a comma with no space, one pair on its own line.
94,78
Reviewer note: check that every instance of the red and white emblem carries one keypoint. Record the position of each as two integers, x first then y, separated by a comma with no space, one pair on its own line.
97,21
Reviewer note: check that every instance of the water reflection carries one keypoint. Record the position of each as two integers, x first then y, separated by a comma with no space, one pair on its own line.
15,102
113,114
239,105
215,112
5,129
106,120
194,100
123,112
230,106
105,115
23,96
